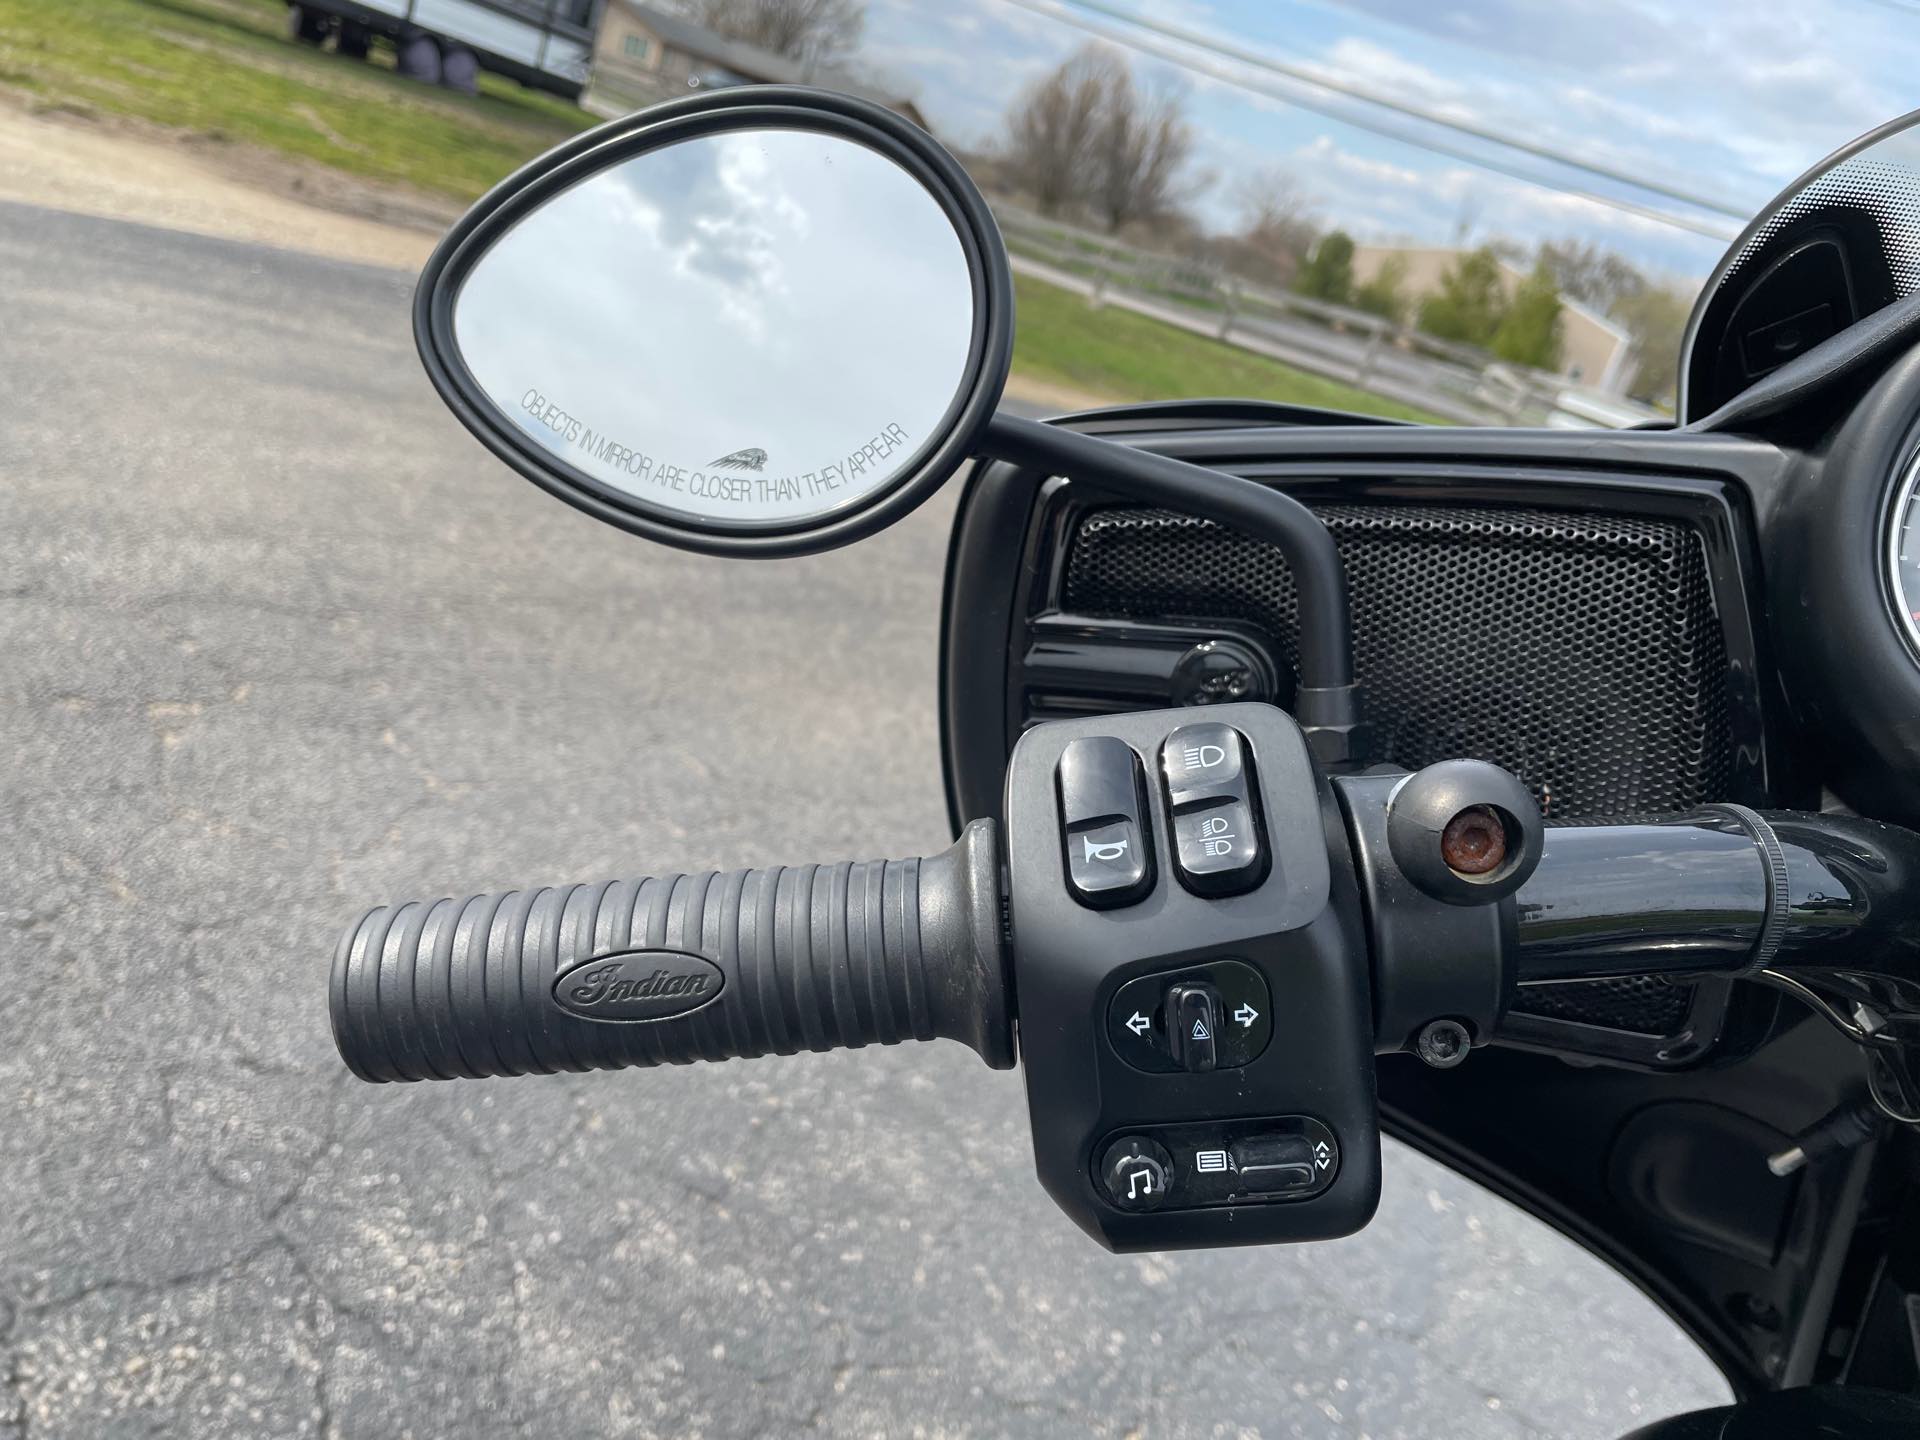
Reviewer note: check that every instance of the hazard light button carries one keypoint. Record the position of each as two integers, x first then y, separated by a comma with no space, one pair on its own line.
1193,1023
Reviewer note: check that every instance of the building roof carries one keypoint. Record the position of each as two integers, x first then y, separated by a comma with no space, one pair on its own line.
696,40
755,62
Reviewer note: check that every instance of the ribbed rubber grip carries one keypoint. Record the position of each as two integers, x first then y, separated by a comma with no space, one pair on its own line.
810,957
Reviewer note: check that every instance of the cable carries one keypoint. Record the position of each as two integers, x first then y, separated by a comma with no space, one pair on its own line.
1882,1051
1800,991
1063,11
1880,1101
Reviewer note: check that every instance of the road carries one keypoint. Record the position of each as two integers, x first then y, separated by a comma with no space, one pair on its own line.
277,640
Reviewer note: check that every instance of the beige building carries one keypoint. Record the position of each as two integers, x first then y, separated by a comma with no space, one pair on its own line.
1593,350
643,56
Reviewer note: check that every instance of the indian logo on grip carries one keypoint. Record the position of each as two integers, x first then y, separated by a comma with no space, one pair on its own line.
638,986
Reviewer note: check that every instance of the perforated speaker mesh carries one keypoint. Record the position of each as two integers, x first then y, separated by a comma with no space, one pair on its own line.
1641,1003
1884,183
1578,650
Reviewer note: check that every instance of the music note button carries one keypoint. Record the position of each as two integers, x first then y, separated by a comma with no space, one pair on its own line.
1137,1173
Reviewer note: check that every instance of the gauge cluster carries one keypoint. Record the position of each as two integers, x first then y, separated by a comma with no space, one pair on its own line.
1903,553
1841,546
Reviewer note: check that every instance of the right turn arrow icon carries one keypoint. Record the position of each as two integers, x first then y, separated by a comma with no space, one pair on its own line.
1246,1015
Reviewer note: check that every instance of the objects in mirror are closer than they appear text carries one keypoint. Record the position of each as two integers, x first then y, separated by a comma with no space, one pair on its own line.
727,487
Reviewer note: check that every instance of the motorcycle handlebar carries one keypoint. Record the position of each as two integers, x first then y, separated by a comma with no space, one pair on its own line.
1724,890
716,966
673,969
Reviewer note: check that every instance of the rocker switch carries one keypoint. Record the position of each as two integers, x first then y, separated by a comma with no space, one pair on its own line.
1193,1023
1218,847
1103,823
1276,1164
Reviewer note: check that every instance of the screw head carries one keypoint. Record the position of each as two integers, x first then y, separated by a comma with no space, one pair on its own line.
1443,1044
1474,842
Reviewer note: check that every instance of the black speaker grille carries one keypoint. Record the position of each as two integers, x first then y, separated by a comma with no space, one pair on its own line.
1578,650
1644,1004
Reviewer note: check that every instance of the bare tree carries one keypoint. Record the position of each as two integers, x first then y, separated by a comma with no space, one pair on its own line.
1278,226
1141,144
814,32
1087,137
1054,127
1590,274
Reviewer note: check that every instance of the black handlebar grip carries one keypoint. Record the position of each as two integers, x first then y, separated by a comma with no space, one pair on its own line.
678,968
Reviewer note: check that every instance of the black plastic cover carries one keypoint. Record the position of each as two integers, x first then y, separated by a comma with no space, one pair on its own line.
1299,930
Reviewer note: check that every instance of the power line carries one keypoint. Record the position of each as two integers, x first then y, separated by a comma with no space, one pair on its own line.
1258,60
1151,37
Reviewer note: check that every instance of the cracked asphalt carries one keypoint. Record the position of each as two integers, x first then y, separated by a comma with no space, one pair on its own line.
278,640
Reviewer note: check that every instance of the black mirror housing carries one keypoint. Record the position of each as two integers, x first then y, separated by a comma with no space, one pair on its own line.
735,500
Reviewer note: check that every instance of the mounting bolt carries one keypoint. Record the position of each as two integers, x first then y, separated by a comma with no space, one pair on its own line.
1464,832
1474,842
1443,1044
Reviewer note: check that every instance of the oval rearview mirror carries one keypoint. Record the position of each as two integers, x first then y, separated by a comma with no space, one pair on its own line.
758,321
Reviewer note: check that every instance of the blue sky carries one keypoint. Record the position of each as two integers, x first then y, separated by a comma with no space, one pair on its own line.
1722,102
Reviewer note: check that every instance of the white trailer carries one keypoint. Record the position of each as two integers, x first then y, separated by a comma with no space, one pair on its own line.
546,44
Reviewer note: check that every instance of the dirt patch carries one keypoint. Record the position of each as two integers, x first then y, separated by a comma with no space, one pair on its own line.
71,158
211,186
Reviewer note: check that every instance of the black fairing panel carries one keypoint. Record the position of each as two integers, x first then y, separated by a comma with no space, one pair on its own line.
1827,1412
1833,612
1660,1170
1005,567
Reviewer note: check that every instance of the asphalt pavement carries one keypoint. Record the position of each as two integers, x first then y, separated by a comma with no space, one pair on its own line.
278,640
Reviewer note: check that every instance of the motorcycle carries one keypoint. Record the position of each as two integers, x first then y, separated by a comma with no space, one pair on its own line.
1541,798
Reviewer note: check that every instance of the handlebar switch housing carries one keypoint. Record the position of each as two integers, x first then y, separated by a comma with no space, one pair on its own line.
1265,1128
1442,941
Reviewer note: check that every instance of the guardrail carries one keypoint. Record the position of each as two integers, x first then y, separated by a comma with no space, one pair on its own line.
1358,348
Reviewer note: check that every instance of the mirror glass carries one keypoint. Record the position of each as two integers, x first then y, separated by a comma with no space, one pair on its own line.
756,327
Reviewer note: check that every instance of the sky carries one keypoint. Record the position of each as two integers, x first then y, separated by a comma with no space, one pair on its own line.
1689,115
620,322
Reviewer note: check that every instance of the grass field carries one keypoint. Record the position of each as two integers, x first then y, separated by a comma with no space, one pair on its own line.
224,70
1062,340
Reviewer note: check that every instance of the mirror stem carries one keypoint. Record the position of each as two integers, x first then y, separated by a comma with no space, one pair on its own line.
1327,703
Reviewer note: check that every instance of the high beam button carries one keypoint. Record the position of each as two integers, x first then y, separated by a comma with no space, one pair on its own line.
1202,761
1218,848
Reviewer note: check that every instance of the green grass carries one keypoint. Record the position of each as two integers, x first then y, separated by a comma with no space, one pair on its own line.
225,69
1062,340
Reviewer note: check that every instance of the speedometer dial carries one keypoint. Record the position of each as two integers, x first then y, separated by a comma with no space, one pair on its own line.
1903,553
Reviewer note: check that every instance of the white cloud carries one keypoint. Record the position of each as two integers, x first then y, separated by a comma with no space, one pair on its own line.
1726,99
1389,73
1378,200
1749,93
